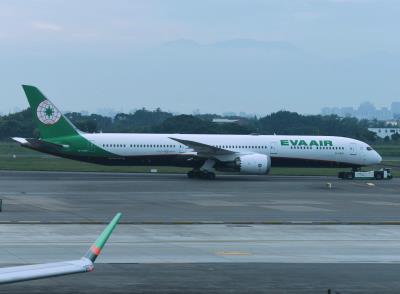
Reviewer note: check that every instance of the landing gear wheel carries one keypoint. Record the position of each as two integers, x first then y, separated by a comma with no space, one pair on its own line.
201,175
210,176
207,175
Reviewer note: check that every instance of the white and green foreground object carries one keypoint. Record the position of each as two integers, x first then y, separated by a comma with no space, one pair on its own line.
47,270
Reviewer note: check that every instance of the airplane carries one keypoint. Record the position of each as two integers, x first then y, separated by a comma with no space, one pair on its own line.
247,154
46,270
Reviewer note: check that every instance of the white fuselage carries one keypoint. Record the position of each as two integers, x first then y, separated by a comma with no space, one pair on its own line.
308,148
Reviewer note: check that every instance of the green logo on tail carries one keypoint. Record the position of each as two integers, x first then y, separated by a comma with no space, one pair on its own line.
47,113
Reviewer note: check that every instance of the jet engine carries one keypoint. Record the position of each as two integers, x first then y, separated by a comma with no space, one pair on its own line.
255,164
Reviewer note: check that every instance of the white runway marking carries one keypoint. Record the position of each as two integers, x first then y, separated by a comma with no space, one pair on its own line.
296,208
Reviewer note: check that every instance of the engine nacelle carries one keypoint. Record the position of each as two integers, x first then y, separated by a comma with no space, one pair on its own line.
254,164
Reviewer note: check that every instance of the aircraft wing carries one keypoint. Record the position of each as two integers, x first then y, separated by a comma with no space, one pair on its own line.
204,150
36,143
46,270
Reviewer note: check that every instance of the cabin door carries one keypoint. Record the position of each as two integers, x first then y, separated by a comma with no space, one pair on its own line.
353,149
274,148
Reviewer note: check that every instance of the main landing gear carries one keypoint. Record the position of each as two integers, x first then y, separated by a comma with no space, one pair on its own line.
206,171
198,174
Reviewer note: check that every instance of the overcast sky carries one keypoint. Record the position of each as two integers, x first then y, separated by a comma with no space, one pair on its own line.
256,56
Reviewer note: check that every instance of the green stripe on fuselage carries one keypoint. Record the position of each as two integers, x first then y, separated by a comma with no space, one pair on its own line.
80,146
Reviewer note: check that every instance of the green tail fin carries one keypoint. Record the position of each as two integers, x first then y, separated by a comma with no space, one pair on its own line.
49,120
96,248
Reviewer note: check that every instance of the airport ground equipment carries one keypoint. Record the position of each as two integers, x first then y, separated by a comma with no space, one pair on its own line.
47,270
381,174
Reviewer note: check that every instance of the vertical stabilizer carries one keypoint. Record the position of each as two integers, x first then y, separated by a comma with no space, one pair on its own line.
49,120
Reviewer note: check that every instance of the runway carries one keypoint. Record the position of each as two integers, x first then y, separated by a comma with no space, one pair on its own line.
235,234
35,243
158,198
222,278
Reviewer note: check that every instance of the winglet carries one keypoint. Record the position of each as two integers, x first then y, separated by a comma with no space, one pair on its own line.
96,248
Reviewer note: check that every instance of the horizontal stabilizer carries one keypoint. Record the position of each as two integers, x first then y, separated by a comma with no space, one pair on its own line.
39,144
20,140
43,144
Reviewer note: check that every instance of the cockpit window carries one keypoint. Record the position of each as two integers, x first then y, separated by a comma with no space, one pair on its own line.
369,148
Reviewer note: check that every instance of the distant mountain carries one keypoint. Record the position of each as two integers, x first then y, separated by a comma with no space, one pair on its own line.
233,44
181,43
255,44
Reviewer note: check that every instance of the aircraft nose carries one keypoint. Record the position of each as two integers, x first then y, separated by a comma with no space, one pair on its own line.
378,158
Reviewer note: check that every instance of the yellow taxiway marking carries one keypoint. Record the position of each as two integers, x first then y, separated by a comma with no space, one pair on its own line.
235,253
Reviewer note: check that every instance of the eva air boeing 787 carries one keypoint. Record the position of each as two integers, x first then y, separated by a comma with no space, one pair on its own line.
247,154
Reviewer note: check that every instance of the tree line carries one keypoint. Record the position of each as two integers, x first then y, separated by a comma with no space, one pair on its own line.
158,121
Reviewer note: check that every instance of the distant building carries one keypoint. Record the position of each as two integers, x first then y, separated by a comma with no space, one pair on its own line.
225,121
392,123
395,108
365,110
385,132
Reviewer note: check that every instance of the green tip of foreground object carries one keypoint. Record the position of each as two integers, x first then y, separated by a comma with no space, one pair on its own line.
96,248
107,231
